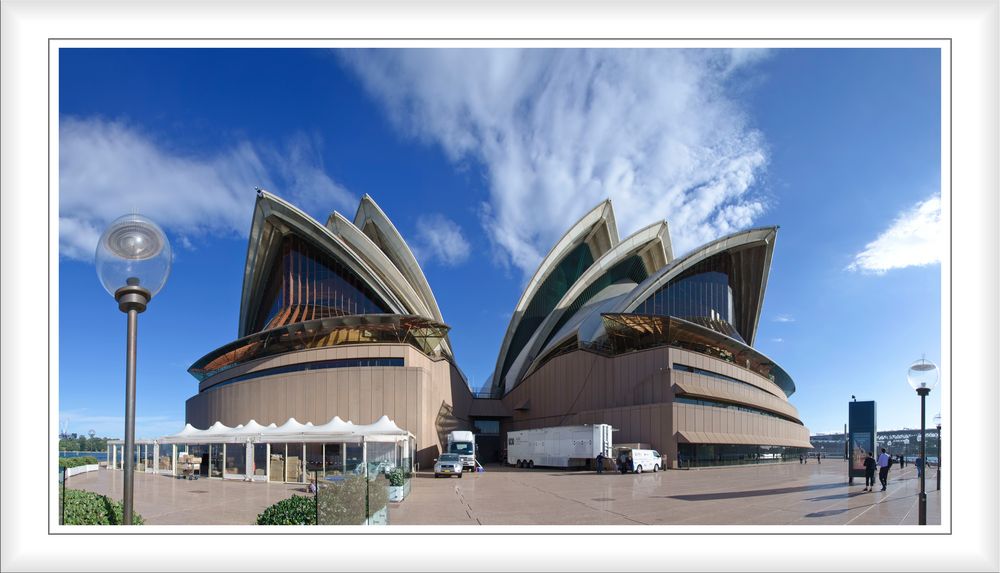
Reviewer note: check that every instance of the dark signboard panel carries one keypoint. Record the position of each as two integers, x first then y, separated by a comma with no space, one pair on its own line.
861,433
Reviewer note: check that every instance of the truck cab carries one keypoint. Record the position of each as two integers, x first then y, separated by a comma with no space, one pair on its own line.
463,443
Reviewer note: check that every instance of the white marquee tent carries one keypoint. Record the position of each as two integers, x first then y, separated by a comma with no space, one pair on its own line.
291,452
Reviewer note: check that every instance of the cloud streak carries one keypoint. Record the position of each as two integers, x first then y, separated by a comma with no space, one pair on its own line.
914,239
109,168
440,239
557,131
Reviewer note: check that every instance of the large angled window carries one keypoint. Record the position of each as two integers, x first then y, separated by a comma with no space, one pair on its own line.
546,298
631,270
305,283
703,294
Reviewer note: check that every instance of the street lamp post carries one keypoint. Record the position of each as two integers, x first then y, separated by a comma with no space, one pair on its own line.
133,260
937,420
922,376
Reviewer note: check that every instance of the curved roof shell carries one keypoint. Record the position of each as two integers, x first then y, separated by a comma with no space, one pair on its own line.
586,241
751,253
374,223
643,253
274,219
377,260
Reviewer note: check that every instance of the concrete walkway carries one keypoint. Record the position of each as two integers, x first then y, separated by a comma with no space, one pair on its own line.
784,494
778,494
166,500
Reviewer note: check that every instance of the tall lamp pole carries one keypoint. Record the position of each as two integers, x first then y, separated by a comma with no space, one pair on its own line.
937,420
922,376
133,260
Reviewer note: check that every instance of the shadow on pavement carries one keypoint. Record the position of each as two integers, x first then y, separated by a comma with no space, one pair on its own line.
753,493
836,496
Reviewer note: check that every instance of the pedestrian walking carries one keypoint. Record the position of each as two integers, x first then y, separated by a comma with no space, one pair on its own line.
819,460
920,466
870,465
800,458
600,462
884,461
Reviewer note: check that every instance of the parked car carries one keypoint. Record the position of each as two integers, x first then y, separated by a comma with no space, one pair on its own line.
448,465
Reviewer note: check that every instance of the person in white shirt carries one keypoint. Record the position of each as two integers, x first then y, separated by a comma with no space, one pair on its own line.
883,468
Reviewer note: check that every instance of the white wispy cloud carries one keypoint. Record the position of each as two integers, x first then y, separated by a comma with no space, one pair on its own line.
560,130
109,168
784,318
440,239
915,238
777,340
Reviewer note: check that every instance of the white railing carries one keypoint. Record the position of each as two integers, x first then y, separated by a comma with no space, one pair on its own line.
70,472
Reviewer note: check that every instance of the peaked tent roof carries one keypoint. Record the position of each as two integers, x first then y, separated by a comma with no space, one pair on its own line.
292,429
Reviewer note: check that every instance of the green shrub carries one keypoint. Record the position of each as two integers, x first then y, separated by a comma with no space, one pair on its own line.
74,462
397,477
88,508
296,510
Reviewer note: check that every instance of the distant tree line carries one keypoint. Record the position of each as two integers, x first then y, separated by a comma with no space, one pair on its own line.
74,443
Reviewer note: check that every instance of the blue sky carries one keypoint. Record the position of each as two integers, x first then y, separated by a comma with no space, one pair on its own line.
482,159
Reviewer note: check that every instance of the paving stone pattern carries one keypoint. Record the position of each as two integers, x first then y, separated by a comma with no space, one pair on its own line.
776,494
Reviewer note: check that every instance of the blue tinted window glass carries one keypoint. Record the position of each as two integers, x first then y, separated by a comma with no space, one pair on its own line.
315,365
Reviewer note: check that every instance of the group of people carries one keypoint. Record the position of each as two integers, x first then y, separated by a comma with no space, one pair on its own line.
805,459
623,464
883,463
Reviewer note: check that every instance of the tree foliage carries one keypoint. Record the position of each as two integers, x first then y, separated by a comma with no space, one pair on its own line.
83,444
74,462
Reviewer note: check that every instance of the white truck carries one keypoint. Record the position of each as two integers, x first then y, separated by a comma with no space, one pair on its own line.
558,446
463,443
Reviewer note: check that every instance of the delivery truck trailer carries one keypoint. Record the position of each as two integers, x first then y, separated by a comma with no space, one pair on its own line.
463,443
558,446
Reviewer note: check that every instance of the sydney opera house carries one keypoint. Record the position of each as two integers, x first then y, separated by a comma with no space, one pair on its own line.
339,320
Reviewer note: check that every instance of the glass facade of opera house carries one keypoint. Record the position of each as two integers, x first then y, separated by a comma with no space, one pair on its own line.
337,321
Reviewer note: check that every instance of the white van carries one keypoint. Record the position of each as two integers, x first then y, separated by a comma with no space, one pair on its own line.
642,460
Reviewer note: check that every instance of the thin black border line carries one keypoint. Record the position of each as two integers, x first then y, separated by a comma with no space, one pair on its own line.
951,277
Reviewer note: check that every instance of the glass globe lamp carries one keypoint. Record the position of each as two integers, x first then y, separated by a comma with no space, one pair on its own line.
133,251
133,259
922,376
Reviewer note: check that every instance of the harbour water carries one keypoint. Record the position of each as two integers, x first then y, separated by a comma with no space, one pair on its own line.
101,456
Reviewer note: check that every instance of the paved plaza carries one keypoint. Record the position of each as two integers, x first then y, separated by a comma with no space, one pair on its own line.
166,500
775,494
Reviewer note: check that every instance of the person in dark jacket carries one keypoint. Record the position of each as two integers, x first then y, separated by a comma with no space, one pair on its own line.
600,462
920,466
870,465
